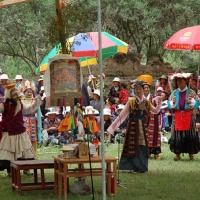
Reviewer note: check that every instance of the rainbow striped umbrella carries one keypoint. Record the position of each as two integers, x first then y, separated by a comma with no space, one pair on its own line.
86,46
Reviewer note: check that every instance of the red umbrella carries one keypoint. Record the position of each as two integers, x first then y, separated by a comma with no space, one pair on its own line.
185,39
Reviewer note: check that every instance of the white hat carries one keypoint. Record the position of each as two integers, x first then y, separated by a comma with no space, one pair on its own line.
159,89
120,107
164,104
89,110
97,92
91,77
4,76
116,79
52,110
181,75
41,78
106,111
132,81
66,109
18,77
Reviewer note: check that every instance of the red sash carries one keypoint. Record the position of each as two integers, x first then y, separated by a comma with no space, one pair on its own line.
182,120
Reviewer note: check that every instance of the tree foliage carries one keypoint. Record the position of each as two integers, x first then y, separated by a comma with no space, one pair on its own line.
29,31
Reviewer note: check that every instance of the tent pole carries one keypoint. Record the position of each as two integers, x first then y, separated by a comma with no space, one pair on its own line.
101,104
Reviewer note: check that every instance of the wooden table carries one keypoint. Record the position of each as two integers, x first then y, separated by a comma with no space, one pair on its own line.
17,166
62,172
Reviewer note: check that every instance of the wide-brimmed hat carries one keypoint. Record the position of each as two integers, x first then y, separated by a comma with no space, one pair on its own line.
164,104
132,81
4,76
163,77
106,111
18,77
91,77
41,78
89,110
52,110
97,92
120,107
116,79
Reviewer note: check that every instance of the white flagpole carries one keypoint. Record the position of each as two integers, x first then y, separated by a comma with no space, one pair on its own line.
101,104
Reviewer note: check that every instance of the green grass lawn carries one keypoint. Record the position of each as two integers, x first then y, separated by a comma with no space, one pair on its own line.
166,180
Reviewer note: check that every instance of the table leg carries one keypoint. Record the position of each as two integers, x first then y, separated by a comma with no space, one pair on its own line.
109,178
60,171
35,176
55,177
65,181
42,177
19,184
115,176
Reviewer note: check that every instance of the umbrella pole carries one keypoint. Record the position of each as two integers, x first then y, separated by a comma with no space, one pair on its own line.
101,104
90,74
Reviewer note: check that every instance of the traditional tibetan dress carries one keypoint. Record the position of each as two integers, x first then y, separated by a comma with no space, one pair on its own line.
135,151
31,122
184,138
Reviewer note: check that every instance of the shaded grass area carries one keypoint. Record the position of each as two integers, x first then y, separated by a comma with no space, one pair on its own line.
166,180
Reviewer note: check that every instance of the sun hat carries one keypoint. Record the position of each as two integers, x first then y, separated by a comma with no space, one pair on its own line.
116,79
52,110
163,77
18,77
106,111
159,89
89,110
132,81
120,107
41,78
4,76
97,92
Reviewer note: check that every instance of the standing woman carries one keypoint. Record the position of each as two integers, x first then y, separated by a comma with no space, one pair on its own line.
14,141
95,103
183,101
30,121
135,151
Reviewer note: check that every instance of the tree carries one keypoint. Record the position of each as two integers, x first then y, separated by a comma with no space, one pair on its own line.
24,34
